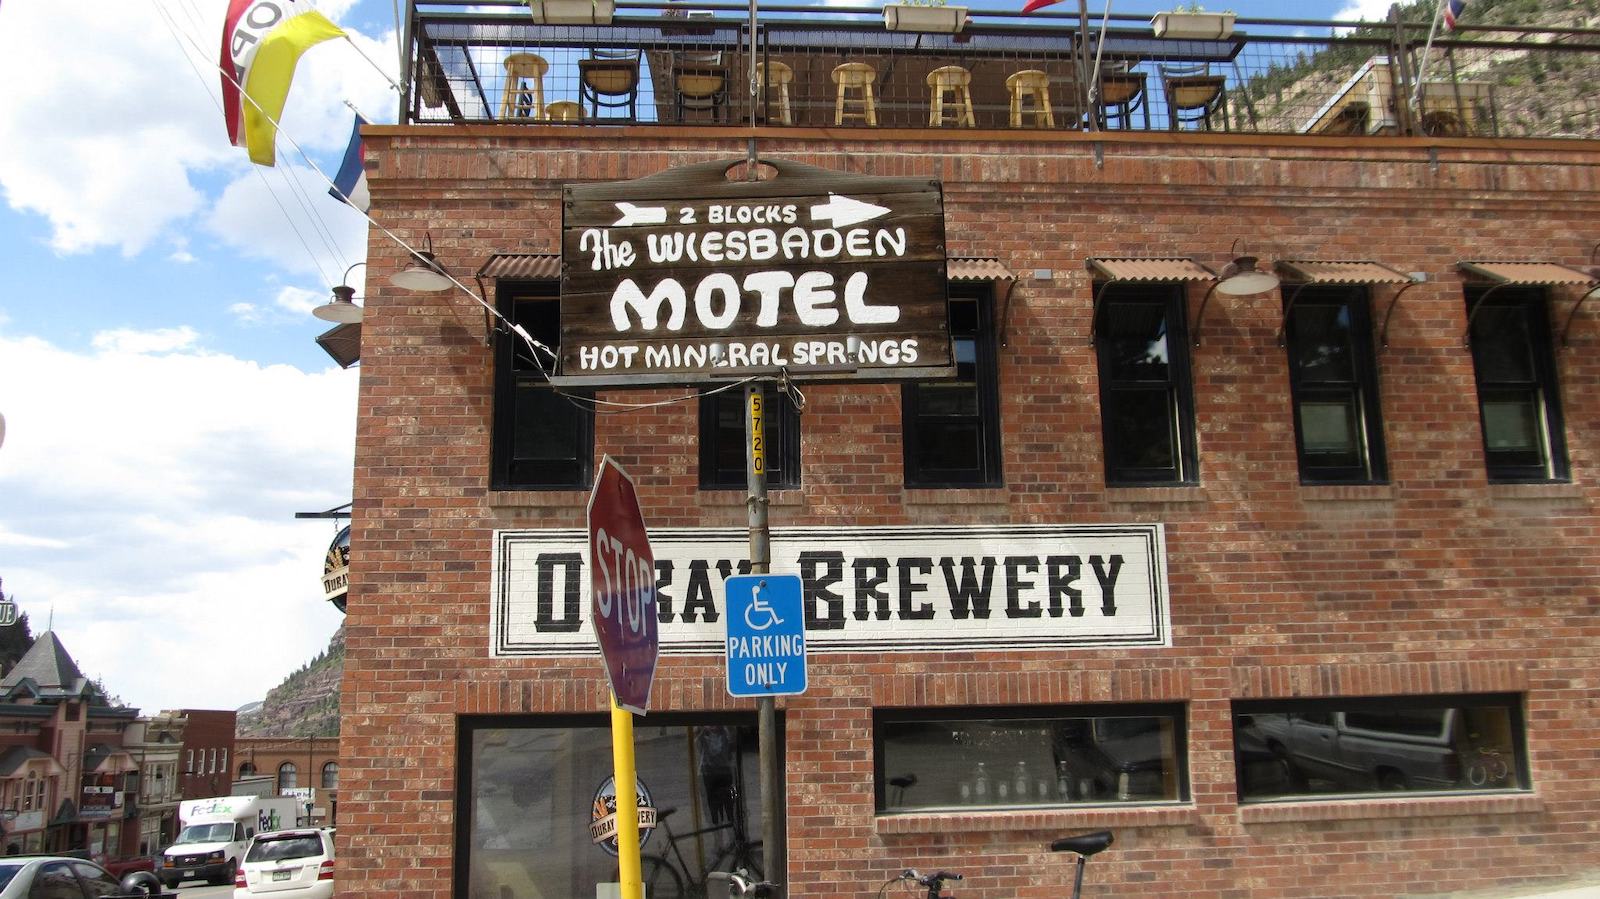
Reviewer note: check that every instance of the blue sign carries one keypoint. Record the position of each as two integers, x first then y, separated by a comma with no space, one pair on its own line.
766,635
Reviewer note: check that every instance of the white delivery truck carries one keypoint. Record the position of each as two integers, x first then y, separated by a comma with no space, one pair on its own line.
215,832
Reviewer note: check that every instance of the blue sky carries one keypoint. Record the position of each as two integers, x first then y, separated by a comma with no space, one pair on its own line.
167,410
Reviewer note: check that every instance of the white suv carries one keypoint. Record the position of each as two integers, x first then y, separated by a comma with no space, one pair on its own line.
291,864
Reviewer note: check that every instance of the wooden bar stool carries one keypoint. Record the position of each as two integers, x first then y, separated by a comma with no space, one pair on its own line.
957,82
779,76
524,93
855,76
563,111
1036,84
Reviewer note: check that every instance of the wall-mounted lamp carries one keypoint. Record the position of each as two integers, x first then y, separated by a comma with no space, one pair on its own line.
342,309
1241,277
423,273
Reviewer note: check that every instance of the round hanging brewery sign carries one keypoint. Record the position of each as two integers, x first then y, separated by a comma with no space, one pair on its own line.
336,569
603,815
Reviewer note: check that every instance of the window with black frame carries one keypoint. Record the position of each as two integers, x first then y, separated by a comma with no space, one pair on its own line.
927,759
1146,401
722,440
1519,403
1333,381
952,428
535,793
542,440
1331,748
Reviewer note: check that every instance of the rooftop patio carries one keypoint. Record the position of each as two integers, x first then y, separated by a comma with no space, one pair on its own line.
919,67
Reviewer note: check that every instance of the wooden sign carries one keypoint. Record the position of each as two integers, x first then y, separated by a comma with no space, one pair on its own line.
687,276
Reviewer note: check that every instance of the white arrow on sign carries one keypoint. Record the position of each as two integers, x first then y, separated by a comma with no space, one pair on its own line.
844,211
639,215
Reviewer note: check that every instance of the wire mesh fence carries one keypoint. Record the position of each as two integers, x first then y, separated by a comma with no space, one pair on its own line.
854,67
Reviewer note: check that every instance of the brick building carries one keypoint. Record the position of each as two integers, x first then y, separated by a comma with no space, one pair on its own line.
295,763
1158,547
207,750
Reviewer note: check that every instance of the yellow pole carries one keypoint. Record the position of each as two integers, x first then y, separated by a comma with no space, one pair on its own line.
626,780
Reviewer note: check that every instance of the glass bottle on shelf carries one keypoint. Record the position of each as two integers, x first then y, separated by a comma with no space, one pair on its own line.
1019,782
980,785
1063,782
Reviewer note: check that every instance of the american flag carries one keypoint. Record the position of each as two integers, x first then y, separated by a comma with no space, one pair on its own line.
1452,9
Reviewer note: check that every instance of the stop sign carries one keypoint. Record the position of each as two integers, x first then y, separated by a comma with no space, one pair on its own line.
622,587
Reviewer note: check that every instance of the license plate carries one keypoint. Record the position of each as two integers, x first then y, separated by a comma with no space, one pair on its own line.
188,874
280,875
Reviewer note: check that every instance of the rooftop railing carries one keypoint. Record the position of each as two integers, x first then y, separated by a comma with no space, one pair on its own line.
650,63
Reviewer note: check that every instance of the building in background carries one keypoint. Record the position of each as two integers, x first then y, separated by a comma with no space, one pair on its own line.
156,745
304,767
207,752
66,780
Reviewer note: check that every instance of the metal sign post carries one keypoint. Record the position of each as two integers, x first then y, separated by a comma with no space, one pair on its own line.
623,589
775,854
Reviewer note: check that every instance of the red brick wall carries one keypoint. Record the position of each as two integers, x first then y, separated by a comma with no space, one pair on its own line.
207,731
1438,582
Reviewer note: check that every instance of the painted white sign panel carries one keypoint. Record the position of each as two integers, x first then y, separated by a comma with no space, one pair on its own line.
878,589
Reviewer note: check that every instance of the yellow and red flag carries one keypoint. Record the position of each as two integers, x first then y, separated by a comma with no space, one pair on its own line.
262,41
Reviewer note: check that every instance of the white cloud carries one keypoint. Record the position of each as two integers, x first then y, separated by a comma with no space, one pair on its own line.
150,491
1364,11
108,140
160,340
284,216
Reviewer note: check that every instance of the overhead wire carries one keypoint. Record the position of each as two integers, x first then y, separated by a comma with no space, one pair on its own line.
534,346
172,29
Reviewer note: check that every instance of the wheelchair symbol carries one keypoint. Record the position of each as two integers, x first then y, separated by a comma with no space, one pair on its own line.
759,609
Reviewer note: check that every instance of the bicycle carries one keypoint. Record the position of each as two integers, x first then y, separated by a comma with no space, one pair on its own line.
1488,767
1085,845
934,882
665,880
740,885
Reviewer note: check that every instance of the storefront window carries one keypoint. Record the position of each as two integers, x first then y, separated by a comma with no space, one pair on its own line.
932,759
535,789
1330,748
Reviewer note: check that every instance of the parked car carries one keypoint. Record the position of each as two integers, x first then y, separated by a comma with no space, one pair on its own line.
56,876
1376,749
289,864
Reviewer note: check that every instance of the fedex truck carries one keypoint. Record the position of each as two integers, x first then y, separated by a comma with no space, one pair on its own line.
215,833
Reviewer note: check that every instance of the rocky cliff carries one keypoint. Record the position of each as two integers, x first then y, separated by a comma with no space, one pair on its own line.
306,704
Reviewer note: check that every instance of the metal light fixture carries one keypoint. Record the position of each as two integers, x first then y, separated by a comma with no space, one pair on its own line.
1241,277
424,273
342,309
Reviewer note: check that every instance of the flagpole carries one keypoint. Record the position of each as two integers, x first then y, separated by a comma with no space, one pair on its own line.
1422,67
374,65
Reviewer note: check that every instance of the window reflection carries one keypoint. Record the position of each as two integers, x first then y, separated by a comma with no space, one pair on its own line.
1323,749
929,763
531,792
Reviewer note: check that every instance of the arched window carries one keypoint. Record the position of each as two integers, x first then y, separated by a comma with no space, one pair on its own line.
330,776
287,776
248,769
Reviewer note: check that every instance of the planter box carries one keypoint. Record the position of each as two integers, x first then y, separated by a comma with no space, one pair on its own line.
942,19
572,12
1193,25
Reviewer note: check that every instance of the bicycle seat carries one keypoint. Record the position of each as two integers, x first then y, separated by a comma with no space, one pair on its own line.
664,813
1084,843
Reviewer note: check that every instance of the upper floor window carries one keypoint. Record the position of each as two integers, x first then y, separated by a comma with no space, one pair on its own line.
330,775
247,769
1333,380
1146,401
542,439
722,439
288,776
952,428
1519,401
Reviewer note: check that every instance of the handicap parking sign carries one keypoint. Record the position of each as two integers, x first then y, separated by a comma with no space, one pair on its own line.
766,638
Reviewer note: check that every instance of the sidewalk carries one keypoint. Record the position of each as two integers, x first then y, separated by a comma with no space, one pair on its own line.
1587,887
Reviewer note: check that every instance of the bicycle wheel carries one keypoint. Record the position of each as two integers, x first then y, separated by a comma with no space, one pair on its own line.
661,879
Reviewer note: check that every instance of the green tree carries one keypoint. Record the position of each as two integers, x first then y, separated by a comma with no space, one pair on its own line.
15,640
